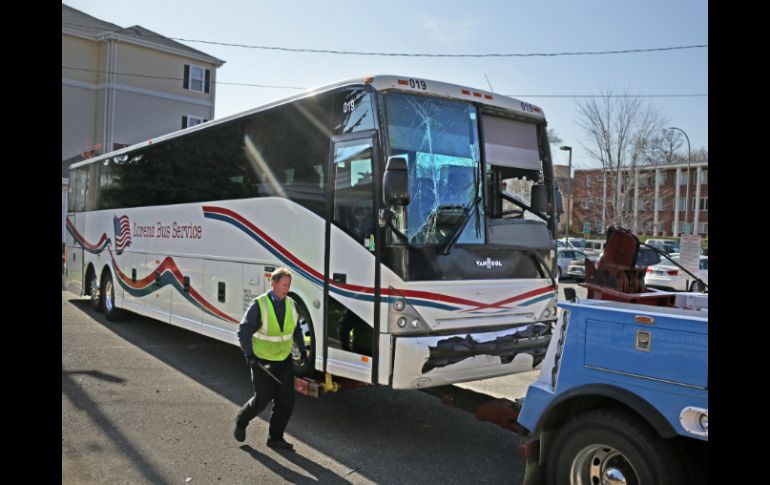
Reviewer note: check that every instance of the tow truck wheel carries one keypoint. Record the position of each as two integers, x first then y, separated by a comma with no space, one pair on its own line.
606,447
304,367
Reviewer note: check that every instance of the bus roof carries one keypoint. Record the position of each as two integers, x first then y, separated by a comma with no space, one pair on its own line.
384,82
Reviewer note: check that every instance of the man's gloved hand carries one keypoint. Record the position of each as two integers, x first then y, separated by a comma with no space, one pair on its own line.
251,360
303,355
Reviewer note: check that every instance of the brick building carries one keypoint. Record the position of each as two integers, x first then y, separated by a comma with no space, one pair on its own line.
651,203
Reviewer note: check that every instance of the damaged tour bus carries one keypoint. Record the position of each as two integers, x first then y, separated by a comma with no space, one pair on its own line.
418,219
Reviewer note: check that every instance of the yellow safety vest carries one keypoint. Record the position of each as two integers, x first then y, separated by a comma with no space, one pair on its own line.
269,342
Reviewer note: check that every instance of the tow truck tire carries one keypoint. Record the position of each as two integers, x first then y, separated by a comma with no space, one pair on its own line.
610,446
306,367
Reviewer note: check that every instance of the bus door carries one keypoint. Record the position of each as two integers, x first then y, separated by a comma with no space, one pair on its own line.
76,222
350,273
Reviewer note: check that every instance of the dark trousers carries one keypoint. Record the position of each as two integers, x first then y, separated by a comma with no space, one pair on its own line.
266,389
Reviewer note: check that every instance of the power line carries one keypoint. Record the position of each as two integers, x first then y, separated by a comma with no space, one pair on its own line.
302,88
404,54
401,54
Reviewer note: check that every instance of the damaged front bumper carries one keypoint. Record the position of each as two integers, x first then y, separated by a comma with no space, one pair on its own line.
430,361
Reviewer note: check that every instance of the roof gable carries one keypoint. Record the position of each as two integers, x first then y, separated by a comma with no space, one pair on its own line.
76,21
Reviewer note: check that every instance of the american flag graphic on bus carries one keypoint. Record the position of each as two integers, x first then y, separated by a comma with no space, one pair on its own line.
122,233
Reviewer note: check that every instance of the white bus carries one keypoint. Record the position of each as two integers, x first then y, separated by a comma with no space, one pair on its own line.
383,196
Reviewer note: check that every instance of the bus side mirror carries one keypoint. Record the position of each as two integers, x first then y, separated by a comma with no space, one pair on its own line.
395,182
539,198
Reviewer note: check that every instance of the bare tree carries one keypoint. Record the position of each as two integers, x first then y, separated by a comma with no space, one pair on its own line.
553,138
663,147
620,131
700,155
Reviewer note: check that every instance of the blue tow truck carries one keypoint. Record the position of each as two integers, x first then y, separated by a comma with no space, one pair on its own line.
622,395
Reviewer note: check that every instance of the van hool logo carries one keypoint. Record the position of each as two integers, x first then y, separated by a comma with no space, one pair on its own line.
489,263
122,233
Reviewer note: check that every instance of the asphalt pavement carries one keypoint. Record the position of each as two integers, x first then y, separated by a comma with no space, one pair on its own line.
147,402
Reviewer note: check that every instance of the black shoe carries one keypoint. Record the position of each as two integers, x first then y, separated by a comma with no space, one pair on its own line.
280,444
239,433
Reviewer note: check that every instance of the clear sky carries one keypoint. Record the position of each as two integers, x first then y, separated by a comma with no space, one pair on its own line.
449,27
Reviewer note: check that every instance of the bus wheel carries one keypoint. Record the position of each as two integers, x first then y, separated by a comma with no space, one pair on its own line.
108,298
610,446
304,367
94,291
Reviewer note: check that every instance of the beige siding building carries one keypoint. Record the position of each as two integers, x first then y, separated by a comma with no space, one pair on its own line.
121,86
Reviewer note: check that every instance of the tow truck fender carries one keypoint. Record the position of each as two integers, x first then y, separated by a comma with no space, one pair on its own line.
634,402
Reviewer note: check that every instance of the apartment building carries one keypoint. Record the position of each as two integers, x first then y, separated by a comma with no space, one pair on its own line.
653,199
121,86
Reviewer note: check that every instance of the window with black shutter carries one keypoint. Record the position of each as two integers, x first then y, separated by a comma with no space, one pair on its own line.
196,78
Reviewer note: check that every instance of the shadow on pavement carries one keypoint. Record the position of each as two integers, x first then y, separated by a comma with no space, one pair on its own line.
318,473
383,435
81,401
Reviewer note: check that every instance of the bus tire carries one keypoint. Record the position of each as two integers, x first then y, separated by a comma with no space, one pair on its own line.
94,290
304,367
108,298
607,444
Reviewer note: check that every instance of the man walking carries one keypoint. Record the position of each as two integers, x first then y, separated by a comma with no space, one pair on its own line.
266,333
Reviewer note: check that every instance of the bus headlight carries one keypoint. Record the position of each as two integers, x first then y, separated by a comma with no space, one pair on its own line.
548,313
403,318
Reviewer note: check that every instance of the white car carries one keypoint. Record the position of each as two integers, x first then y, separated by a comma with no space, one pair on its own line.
577,267
667,276
565,257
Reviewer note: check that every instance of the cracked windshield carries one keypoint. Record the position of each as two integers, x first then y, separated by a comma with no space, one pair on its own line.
440,140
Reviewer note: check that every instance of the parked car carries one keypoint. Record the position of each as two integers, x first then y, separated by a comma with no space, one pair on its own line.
577,267
667,276
572,242
565,257
645,257
667,245
594,246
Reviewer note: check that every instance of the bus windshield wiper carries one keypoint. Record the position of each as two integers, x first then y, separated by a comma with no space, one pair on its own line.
458,229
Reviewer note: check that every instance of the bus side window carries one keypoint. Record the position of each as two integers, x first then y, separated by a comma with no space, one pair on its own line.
352,111
353,196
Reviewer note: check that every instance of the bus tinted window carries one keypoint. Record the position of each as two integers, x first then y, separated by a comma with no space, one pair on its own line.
287,147
77,191
352,111
278,152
